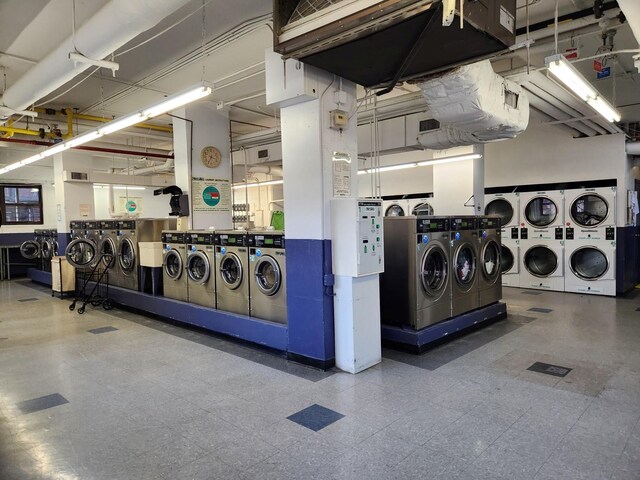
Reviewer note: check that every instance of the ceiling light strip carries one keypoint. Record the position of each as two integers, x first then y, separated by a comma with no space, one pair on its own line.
436,161
237,186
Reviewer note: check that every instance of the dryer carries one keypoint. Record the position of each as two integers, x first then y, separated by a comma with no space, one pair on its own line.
506,206
420,206
415,289
174,256
588,213
395,208
490,255
542,265
232,263
510,261
542,215
590,267
268,276
200,268
464,264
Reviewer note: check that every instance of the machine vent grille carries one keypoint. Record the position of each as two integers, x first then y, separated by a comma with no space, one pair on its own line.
263,154
428,125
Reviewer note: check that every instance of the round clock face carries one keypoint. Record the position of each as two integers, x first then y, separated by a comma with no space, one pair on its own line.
211,157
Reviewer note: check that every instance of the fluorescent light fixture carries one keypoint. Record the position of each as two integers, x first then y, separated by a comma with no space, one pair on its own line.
61,147
237,186
29,160
178,100
403,166
121,123
127,188
84,138
562,69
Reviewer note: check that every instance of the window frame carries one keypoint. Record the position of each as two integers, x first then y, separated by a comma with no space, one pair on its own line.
3,203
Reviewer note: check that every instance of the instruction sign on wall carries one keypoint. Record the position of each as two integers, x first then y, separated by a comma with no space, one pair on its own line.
211,194
341,174
130,205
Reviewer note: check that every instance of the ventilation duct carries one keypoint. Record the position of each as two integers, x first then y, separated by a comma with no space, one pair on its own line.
631,10
473,105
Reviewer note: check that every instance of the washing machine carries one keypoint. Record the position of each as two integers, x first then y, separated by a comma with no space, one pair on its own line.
395,208
32,249
542,265
590,267
81,252
510,261
268,276
542,216
415,289
490,255
49,248
201,267
588,213
92,233
108,249
506,206
464,264
232,265
174,257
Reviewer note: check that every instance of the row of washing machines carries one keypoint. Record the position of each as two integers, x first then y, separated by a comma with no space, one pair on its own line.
437,268
561,240
43,248
235,271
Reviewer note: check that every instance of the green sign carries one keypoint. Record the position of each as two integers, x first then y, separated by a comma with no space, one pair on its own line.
211,196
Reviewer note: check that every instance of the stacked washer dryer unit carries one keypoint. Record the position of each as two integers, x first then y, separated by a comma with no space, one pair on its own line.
506,206
542,240
268,276
590,241
174,258
232,265
200,266
415,289
489,278
464,264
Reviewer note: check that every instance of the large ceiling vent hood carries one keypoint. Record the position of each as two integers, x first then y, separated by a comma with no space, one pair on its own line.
377,43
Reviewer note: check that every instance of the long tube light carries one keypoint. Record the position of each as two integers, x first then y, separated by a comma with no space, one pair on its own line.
562,69
170,103
402,166
237,186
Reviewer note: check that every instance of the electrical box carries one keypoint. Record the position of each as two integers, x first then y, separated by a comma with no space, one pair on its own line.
357,236
339,119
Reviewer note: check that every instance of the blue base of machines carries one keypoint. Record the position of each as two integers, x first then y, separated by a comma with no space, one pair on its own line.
418,341
39,276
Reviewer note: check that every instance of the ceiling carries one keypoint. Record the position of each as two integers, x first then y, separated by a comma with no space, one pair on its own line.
236,34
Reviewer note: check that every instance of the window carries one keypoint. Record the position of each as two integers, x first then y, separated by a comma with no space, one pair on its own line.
21,204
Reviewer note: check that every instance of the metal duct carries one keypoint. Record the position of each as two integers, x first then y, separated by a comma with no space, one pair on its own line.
633,148
165,167
276,171
115,24
631,10
473,105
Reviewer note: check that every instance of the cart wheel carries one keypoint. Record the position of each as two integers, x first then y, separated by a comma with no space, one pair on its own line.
96,303
107,304
81,310
72,307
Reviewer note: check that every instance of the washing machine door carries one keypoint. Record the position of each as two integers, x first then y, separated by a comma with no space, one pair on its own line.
589,263
541,211
490,259
268,275
127,255
589,210
30,250
173,265
198,267
540,261
107,251
48,249
507,260
422,209
434,272
394,211
501,208
465,266
80,253
231,270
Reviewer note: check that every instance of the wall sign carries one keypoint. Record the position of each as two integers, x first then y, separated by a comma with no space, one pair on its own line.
130,204
211,194
341,174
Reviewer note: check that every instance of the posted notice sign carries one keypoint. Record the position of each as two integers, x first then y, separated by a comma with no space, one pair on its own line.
211,194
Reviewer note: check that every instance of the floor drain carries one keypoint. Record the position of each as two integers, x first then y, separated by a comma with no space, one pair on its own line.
547,368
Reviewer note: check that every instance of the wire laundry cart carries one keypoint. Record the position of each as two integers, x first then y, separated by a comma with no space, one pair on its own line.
92,286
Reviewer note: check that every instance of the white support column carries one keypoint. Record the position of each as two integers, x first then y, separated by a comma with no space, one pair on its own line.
74,200
454,183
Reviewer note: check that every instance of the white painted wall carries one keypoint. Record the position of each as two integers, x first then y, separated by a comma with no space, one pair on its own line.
151,206
399,182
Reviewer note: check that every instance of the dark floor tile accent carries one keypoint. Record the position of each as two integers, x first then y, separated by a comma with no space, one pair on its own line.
540,310
315,417
30,299
96,331
41,403
638,309
443,354
547,368
531,292
266,357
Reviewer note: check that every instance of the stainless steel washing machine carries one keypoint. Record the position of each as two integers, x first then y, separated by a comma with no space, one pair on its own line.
232,264
490,278
415,289
174,257
80,252
464,262
92,233
108,249
200,267
32,249
268,276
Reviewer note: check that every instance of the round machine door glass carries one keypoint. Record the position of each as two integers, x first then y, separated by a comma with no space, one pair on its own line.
80,253
268,275
394,211
589,210
589,263
107,251
30,249
127,255
491,261
173,264
465,265
541,211
500,208
231,270
422,209
198,267
435,269
506,259
540,261
47,249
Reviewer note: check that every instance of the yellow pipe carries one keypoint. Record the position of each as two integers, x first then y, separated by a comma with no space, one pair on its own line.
10,131
69,133
94,118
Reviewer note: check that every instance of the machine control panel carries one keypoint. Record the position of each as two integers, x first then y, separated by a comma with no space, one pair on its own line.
559,233
489,223
464,223
267,240
610,233
126,225
77,225
173,237
569,232
200,238
357,236
432,224
231,239
514,233
107,225
524,233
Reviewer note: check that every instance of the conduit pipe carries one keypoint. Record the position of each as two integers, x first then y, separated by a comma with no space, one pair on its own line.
633,148
165,167
115,24
275,171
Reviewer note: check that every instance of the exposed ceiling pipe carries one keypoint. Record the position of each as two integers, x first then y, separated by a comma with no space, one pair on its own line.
275,171
165,167
633,148
115,24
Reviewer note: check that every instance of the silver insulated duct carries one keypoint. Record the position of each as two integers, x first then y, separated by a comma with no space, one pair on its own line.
473,105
